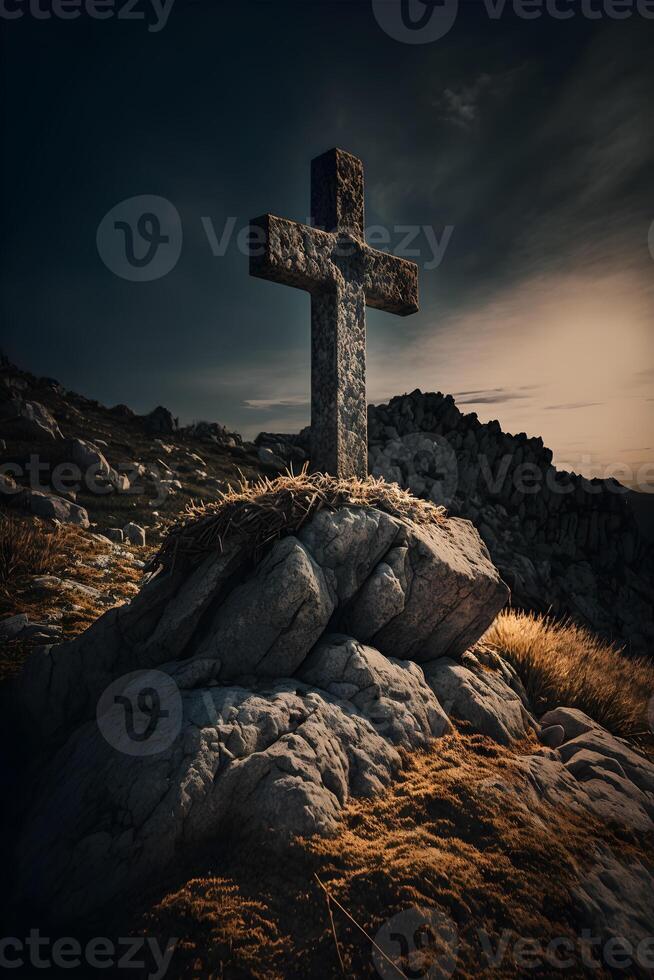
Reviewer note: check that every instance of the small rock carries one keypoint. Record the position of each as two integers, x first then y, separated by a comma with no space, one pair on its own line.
8,486
552,736
135,534
268,458
95,467
571,720
41,632
56,508
13,626
113,534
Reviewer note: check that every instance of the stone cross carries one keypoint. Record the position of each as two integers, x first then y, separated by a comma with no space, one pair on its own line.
331,260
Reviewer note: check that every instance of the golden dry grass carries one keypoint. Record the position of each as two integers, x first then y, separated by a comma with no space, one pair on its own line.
561,663
450,834
259,512
231,927
25,549
30,547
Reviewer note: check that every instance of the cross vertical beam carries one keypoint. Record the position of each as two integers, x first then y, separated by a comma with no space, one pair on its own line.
332,262
339,424
337,193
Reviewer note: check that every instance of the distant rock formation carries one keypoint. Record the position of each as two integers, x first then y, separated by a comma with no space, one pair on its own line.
563,543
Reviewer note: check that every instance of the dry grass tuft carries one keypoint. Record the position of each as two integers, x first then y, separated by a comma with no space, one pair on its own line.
25,549
565,664
30,547
259,513
234,929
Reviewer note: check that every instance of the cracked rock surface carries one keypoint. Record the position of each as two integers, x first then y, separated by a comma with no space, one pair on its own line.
231,705
413,592
231,701
268,762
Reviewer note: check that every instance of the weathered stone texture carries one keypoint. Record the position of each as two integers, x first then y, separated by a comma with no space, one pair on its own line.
285,699
343,274
266,624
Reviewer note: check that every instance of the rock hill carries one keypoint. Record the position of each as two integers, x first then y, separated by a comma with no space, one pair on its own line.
288,687
244,696
250,702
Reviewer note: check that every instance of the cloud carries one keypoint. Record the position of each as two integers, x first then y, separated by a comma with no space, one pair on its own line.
568,406
573,340
497,398
267,404
462,105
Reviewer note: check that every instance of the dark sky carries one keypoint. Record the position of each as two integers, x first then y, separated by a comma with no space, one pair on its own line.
530,141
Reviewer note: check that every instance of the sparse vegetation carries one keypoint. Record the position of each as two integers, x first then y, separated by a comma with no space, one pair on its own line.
442,837
30,548
259,512
25,549
562,663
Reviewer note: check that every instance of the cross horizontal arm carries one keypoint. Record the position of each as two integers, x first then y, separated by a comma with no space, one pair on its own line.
391,284
290,253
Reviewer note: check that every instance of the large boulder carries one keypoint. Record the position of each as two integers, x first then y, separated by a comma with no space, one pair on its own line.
267,625
444,596
227,701
441,589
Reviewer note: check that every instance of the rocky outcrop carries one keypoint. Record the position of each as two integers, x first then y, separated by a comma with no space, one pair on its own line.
159,422
268,761
23,419
264,621
592,771
488,700
227,699
563,543
233,703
